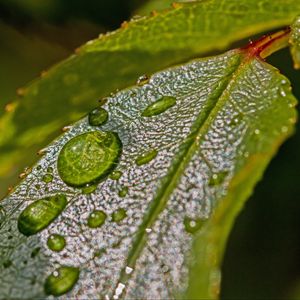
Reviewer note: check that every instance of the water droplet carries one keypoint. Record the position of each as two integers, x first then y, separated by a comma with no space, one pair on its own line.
89,188
192,225
49,170
115,175
96,219
142,80
148,230
119,215
284,129
236,119
61,281
47,178
7,263
128,270
257,131
123,192
159,106
88,158
98,116
217,178
146,157
56,242
39,214
35,252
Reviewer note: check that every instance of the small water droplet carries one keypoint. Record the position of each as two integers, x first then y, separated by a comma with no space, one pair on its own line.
146,157
56,242
257,131
142,80
193,225
47,178
236,119
148,230
35,252
39,214
159,106
119,215
7,263
217,178
89,188
98,116
61,281
284,129
96,219
128,270
123,192
89,158
246,154
115,175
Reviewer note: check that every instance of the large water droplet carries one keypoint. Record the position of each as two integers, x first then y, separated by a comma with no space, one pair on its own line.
56,242
217,178
96,219
39,214
146,157
115,175
119,215
61,281
89,157
159,106
192,225
98,116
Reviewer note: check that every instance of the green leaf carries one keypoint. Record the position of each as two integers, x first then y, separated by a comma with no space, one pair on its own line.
295,42
161,224
114,61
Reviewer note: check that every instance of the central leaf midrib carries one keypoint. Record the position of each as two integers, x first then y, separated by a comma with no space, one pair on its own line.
159,202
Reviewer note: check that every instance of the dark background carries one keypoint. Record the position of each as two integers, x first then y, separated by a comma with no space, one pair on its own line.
262,259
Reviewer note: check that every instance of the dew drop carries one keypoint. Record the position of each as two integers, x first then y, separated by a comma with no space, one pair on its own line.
236,119
142,80
119,290
88,158
128,270
159,106
47,178
257,131
115,175
119,215
7,263
98,116
56,242
192,225
61,281
217,178
96,219
284,129
123,192
148,230
89,188
39,214
146,157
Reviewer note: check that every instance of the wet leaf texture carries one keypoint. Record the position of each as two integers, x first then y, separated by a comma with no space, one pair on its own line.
131,234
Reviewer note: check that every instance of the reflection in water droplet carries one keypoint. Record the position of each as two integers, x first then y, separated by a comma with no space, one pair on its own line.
146,157
217,178
115,175
159,106
119,215
98,116
56,242
236,119
39,214
148,230
123,192
96,219
142,80
47,178
192,225
88,158
61,281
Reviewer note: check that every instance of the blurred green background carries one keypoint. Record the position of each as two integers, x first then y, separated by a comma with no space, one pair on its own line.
262,260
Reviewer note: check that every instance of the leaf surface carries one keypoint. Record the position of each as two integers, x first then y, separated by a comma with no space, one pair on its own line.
157,228
115,60
295,42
